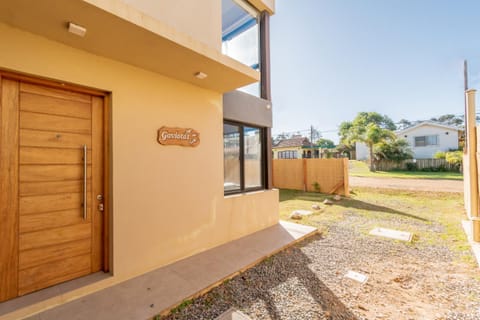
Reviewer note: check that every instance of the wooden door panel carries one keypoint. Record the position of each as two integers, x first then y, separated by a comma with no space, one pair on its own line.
51,202
56,106
97,175
48,274
52,187
29,155
56,93
35,257
47,122
48,237
45,238
8,189
52,139
48,220
37,173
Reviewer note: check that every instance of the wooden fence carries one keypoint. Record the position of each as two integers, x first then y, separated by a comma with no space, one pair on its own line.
387,165
314,175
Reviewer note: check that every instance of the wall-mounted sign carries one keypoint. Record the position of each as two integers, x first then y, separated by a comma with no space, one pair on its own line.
185,137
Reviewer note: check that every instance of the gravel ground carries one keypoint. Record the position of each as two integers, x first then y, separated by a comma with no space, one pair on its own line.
306,281
435,185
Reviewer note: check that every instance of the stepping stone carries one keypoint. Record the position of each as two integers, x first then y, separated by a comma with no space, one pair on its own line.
232,314
356,276
302,212
392,234
299,214
296,216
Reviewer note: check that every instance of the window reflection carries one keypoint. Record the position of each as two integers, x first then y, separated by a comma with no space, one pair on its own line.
240,36
231,157
253,158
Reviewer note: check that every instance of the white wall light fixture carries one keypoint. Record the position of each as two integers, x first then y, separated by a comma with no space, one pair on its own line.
76,29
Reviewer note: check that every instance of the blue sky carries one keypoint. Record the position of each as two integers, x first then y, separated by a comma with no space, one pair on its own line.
403,58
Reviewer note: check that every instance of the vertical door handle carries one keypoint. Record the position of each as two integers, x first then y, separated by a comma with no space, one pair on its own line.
84,182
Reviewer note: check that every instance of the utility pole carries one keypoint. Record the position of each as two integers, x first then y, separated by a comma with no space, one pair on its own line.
465,75
465,87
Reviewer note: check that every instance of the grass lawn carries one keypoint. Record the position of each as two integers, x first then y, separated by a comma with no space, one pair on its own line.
360,169
434,218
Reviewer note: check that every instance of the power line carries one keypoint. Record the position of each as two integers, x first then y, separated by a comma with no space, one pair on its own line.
337,130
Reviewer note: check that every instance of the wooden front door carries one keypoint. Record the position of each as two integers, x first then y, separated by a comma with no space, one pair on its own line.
48,234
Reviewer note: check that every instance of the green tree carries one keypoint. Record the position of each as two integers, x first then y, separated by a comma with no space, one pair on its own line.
450,120
395,150
325,143
370,128
279,137
404,124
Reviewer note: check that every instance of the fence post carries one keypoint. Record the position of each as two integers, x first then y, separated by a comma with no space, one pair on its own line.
346,183
304,174
273,175
472,159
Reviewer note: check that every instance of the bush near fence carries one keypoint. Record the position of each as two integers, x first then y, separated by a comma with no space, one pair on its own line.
314,175
419,164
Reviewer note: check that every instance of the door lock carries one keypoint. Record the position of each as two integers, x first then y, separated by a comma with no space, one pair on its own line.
100,199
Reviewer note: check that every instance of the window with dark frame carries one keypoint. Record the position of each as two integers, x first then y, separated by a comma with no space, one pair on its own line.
243,157
289,154
423,141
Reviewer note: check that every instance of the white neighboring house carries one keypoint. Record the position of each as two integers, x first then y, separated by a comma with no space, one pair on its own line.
425,139
361,151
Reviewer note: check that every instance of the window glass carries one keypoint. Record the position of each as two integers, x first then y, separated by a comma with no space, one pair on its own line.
432,140
287,154
231,157
419,141
424,141
240,33
241,37
253,157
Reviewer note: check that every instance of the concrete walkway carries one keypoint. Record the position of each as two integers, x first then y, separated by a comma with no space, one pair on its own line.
160,290
434,185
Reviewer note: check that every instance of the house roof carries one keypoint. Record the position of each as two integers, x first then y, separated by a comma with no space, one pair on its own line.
295,141
428,123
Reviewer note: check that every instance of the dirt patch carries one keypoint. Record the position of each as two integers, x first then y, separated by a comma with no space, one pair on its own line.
436,185
432,278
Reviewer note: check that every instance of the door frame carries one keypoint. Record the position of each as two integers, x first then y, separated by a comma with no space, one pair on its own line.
107,181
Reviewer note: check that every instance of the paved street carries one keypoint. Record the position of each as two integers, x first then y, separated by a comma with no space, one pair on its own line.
409,184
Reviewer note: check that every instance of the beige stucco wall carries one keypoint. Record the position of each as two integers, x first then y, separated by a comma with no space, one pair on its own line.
202,20
168,202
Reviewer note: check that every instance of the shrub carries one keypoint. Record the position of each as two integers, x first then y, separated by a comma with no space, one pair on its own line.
442,168
455,158
411,166
439,155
